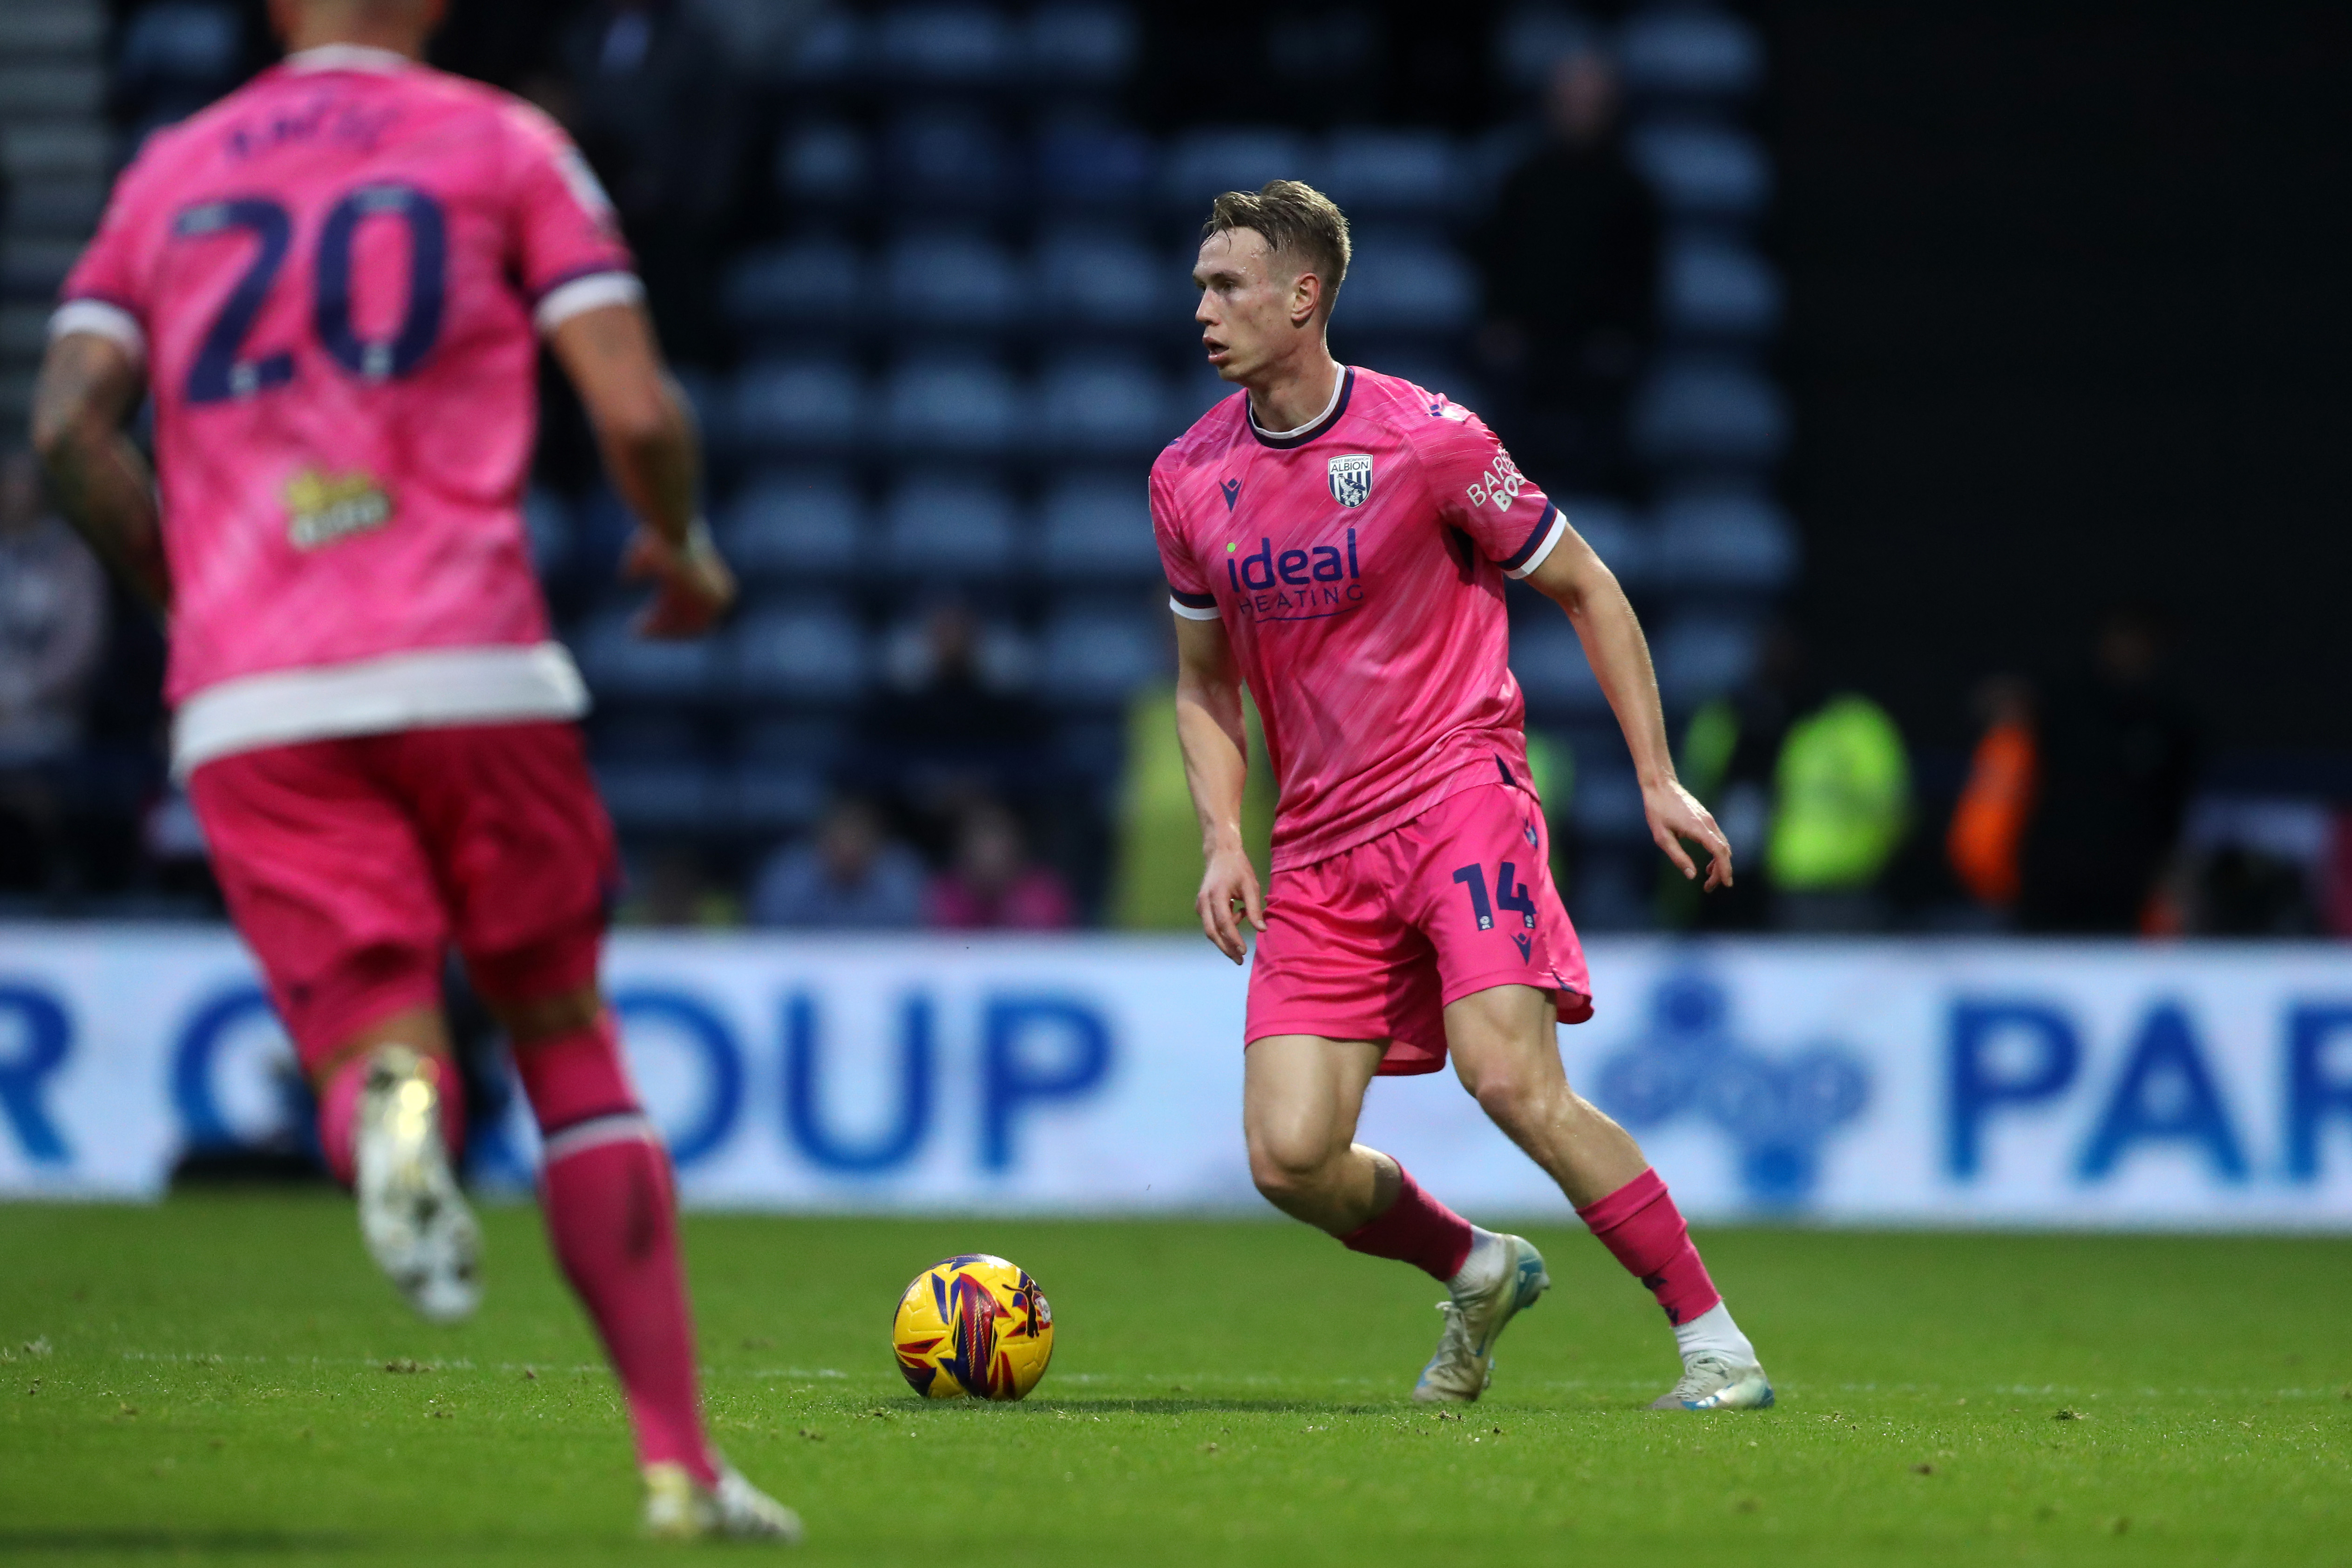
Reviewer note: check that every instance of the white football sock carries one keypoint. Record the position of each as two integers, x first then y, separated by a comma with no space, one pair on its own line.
1482,1269
1713,1330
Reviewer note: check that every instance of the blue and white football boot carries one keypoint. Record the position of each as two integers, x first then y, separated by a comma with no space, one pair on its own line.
677,1510
412,1217
1465,1362
1712,1381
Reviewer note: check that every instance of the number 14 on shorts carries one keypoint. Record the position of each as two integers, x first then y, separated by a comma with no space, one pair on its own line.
1510,894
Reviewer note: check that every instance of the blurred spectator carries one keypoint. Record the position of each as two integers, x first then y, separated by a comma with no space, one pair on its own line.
851,876
653,102
947,734
1811,788
1571,261
672,889
1988,824
1729,752
2119,754
993,883
1844,801
52,638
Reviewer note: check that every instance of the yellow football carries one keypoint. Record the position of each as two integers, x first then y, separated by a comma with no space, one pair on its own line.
974,1325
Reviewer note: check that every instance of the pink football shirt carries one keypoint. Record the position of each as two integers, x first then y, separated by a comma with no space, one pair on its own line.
1358,566
333,274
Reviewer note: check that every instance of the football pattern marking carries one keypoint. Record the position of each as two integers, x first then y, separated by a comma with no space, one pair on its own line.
974,1325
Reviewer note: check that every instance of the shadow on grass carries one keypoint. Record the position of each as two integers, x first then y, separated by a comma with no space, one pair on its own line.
175,1541
946,1407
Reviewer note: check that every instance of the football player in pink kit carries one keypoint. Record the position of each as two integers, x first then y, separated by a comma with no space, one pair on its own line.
334,283
1337,541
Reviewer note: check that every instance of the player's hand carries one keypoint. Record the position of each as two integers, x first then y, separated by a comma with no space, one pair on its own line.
696,586
1674,814
1230,897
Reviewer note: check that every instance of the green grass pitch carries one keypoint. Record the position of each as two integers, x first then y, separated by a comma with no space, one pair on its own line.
222,1378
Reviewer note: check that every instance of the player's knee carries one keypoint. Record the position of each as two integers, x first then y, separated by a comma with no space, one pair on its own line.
1287,1167
1507,1093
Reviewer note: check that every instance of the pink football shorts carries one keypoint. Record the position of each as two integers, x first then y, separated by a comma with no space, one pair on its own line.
1371,944
349,866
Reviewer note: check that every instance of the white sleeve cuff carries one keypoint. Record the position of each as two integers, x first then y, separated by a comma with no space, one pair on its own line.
1558,527
593,292
95,317
1190,614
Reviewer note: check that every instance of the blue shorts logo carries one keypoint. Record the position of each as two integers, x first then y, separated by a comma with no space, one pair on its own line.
1779,1110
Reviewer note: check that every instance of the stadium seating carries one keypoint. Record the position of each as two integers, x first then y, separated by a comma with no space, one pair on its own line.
1401,283
825,164
1104,278
798,405
1097,527
1700,654
1692,52
811,283
1732,539
942,528
945,281
1095,656
1394,174
1202,164
795,527
949,403
816,653
1104,405
1710,412
1714,290
619,663
1551,669
1701,169
946,160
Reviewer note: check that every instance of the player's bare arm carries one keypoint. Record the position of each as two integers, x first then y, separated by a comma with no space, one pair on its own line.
1576,579
87,386
647,437
1209,729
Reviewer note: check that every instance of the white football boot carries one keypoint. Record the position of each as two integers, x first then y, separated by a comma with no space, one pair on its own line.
734,1509
411,1215
1465,1362
1717,1382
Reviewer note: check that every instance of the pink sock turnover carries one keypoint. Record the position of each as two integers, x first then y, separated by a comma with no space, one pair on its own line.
339,1111
1416,1229
612,1215
1640,1224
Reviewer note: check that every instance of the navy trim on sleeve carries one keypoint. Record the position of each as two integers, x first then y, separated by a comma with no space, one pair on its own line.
1535,539
1193,601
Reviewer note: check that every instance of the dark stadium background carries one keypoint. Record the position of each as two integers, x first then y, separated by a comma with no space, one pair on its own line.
2058,332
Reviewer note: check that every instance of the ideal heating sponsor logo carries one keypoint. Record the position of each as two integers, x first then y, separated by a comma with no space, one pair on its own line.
1296,584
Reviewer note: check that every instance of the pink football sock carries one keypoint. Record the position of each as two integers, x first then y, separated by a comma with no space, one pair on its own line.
1416,1229
338,1109
1640,1224
612,1215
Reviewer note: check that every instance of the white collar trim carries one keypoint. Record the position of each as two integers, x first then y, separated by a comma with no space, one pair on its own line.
348,57
1338,384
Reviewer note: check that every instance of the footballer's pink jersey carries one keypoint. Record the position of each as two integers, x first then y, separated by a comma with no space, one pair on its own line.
333,274
1358,566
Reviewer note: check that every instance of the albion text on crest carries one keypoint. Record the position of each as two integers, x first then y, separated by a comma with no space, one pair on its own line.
1352,479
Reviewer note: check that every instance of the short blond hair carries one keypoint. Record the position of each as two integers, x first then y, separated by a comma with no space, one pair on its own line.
1296,220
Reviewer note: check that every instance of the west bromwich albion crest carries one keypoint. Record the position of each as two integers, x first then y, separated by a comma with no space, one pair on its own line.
1352,479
